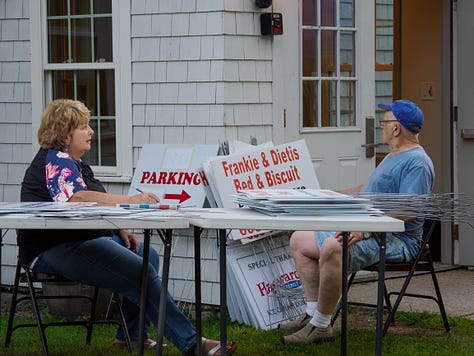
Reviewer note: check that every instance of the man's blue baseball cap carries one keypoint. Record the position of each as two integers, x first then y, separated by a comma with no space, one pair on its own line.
407,113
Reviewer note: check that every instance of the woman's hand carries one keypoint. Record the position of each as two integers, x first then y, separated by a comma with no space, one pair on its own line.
130,240
144,198
353,237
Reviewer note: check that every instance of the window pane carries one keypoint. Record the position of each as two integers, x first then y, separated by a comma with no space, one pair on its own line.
310,102
384,60
347,54
103,39
83,85
328,103
86,43
78,85
80,31
63,84
384,40
57,7
91,156
107,143
346,13
347,103
310,53
86,89
58,41
106,92
80,7
328,13
81,45
328,57
103,143
328,53
103,7
309,13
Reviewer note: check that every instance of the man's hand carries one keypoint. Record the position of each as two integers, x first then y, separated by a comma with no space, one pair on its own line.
353,237
130,240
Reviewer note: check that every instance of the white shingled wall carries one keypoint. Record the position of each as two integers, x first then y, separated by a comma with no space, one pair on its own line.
201,72
15,112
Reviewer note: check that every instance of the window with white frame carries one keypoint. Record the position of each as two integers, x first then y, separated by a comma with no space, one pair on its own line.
80,32
328,64
84,49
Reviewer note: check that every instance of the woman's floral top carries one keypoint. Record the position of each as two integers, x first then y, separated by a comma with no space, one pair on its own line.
63,176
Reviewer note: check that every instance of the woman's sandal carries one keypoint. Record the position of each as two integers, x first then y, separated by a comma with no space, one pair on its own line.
216,350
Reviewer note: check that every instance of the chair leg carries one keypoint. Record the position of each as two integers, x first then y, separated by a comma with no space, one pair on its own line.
438,295
95,297
400,294
39,321
386,296
122,321
13,305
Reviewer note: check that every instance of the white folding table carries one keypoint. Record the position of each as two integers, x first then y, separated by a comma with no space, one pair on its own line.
163,224
223,219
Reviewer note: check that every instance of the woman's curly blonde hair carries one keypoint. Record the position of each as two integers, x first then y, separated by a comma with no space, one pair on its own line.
59,119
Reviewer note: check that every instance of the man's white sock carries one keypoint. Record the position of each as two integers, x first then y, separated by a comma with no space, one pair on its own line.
311,308
321,320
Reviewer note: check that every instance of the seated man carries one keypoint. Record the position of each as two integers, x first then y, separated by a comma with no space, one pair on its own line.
407,169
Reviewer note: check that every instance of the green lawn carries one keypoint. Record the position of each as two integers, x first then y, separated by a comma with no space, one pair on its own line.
414,334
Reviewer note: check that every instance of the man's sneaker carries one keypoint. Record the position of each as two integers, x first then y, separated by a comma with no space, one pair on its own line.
295,325
310,334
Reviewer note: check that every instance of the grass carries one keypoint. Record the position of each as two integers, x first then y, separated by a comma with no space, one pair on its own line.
413,334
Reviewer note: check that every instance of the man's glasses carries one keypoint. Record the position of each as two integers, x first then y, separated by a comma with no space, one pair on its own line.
383,122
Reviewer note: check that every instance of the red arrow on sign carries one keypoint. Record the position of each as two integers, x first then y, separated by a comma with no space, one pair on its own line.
182,197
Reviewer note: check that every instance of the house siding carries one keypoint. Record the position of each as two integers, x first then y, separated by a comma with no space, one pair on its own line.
201,73
15,113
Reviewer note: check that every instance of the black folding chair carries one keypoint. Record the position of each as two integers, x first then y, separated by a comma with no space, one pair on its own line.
422,262
25,275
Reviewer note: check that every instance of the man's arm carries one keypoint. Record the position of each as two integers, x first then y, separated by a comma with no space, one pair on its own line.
356,189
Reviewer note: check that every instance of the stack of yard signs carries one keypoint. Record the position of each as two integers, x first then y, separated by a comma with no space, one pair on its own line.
263,286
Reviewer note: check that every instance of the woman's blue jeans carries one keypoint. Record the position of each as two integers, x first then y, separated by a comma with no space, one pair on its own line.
106,263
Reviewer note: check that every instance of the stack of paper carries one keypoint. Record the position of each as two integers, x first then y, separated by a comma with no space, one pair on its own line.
262,284
78,210
303,202
286,166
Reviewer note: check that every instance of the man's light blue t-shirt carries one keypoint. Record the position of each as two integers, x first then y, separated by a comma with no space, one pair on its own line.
408,172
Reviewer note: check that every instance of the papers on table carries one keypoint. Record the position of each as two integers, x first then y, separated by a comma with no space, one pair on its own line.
303,202
78,210
38,207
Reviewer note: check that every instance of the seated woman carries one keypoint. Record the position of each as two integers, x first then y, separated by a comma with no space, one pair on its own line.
103,258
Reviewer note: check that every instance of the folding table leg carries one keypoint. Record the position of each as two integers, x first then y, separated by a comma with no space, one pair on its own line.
223,289
144,284
345,256
380,294
164,289
197,285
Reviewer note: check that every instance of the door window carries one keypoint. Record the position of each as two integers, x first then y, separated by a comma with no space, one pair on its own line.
328,64
387,84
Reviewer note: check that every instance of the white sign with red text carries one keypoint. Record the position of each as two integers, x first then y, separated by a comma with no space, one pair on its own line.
284,166
173,173
264,288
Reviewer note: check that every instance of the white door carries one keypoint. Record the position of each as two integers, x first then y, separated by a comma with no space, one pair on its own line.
323,82
464,135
